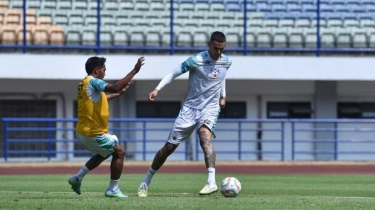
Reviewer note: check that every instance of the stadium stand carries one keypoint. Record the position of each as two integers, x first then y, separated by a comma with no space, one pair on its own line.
270,23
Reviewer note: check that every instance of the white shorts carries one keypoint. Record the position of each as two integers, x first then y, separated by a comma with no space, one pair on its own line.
188,119
100,144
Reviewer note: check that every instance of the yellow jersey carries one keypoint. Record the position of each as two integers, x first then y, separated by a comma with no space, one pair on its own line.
93,110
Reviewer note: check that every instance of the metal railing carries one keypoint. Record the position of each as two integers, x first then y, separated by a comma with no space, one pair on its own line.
172,48
244,139
333,127
143,132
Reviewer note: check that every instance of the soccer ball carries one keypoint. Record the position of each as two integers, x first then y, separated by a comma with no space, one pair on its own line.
230,187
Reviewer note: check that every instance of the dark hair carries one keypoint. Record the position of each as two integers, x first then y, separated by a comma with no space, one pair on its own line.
94,62
218,36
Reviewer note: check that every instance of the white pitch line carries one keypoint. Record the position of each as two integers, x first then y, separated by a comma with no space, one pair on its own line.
346,197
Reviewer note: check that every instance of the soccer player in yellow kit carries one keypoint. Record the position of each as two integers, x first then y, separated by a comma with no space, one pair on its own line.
92,126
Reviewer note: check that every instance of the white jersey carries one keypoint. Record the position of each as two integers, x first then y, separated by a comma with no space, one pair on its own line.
206,79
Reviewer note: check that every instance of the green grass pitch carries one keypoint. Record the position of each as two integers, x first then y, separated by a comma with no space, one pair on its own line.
180,191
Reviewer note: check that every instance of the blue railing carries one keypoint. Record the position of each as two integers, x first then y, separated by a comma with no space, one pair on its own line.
241,139
333,127
143,134
172,48
243,126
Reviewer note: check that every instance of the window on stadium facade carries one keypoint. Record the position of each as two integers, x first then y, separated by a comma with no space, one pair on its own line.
289,110
233,110
356,110
159,109
31,109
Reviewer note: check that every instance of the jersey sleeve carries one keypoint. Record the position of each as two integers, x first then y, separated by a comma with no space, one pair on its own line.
98,84
228,62
188,65
223,92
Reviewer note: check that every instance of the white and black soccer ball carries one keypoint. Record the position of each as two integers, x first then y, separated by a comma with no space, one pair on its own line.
230,187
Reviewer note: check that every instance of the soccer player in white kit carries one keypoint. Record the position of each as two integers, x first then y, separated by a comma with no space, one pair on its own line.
206,95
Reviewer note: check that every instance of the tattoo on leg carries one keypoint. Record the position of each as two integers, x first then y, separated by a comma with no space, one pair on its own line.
208,149
162,155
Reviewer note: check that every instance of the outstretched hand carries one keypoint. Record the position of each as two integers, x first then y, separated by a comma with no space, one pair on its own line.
152,95
139,64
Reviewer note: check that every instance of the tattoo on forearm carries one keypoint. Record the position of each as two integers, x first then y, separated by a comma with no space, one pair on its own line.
162,155
208,149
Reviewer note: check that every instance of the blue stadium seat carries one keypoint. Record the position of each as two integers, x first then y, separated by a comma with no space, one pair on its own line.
251,8
278,8
295,37
271,23
343,37
106,38
359,38
364,16
365,23
326,8
186,1
200,37
358,9
307,15
310,38
264,8
279,37
370,9
49,5
352,2
34,4
232,2
110,5
367,2
273,2
371,39
337,2
325,2
351,23
332,16
263,37
126,6
88,35
152,37
348,16
307,2
342,8
260,1
250,38
120,36
308,8
334,23
255,23
64,5
137,37
79,5
274,15
292,15
216,2
291,1
286,23
294,8
233,7
328,37
302,23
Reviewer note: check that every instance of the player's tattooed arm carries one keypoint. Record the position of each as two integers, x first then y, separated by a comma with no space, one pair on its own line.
208,149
